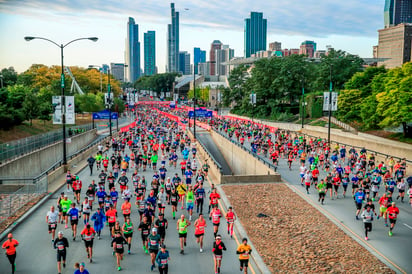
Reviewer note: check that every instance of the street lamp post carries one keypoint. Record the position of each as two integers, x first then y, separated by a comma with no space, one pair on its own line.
61,46
330,101
303,101
1,80
194,103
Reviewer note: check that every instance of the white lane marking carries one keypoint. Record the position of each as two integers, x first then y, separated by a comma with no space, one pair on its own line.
408,226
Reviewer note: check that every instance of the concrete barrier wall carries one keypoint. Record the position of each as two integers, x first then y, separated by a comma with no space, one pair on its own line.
32,164
241,162
236,179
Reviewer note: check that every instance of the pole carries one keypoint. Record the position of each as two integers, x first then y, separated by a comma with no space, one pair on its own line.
1,79
101,84
109,103
194,103
330,103
63,109
303,101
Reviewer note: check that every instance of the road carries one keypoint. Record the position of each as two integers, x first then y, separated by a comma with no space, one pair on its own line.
36,255
396,248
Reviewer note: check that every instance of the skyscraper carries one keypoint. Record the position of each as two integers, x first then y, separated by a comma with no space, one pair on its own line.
308,48
173,41
117,70
397,12
199,56
132,51
255,33
150,53
184,62
216,44
223,55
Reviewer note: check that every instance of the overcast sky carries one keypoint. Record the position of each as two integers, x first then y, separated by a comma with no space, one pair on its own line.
350,25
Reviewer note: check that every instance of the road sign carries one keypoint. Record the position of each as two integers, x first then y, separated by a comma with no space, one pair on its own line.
334,106
106,96
201,113
62,80
253,98
104,115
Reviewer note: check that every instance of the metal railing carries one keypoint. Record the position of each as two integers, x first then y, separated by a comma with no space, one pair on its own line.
17,148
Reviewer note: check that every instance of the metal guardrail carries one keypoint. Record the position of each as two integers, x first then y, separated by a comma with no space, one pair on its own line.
30,188
211,156
17,148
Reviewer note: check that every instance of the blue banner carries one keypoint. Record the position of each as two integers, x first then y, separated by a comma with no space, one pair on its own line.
104,115
201,113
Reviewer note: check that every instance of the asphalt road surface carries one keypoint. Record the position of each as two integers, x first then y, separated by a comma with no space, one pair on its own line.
395,249
36,255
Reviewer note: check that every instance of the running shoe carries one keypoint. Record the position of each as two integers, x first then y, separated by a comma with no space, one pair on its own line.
152,267
390,233
128,252
366,238
201,250
119,268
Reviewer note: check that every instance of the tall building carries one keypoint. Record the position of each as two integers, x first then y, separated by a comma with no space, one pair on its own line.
275,46
173,41
199,56
395,43
132,51
216,44
184,63
117,70
308,48
150,53
397,12
223,55
255,33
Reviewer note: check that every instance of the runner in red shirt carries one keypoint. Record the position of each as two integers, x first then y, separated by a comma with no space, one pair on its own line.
87,235
392,212
200,225
10,246
111,218
230,218
215,217
77,188
105,163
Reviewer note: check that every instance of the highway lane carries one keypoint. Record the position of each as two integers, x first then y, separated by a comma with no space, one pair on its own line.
36,255
395,248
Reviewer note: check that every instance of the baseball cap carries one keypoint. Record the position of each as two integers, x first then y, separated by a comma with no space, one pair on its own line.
162,246
154,229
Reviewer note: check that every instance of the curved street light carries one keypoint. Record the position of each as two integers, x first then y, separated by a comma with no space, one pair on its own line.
62,46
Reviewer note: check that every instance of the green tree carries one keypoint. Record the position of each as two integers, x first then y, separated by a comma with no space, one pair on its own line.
30,107
45,111
8,77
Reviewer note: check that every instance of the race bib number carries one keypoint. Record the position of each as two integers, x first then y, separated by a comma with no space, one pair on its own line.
60,247
119,246
74,217
163,261
52,225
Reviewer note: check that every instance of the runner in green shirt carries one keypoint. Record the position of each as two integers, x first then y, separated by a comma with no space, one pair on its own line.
128,232
182,225
190,198
154,159
322,191
65,204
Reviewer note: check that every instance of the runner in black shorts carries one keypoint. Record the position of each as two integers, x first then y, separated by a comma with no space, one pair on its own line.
61,243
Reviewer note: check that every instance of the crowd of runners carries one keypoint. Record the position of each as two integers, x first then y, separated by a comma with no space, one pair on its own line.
102,208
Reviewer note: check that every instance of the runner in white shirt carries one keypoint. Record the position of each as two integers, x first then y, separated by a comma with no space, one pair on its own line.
51,219
302,172
161,200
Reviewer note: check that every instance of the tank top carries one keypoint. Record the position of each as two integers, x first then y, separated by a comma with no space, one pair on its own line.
117,231
182,228
200,228
128,228
189,197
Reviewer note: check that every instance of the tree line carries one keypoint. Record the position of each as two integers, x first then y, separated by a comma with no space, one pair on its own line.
28,95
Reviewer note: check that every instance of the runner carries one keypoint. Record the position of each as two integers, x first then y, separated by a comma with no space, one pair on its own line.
218,247
181,190
128,232
126,208
367,217
200,194
69,181
214,198
99,219
200,225
118,248
161,224
154,242
383,205
51,220
10,245
174,198
359,197
230,218
322,191
74,214
190,201
87,235
77,188
144,227
182,225
61,244
65,205
244,251
111,218
85,209
215,217
162,259
393,213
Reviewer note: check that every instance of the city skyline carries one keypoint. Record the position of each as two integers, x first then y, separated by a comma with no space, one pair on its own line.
356,32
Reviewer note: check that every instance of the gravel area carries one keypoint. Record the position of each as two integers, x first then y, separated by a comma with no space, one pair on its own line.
294,237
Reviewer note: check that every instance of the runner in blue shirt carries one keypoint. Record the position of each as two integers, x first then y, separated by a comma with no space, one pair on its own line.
359,197
74,214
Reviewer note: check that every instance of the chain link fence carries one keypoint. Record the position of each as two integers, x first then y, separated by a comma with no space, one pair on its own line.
17,148
16,193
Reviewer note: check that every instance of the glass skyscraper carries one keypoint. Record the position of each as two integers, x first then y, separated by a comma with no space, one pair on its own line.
255,33
132,51
199,56
150,53
397,12
173,41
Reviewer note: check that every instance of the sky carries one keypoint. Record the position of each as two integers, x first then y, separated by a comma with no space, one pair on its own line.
349,25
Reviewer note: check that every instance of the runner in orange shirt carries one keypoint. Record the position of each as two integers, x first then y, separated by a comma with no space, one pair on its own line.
111,218
126,208
87,235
